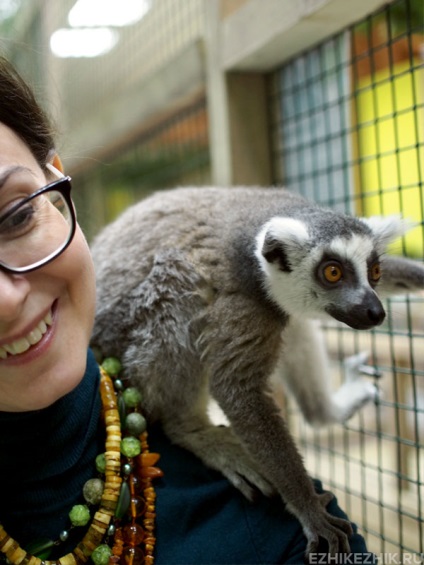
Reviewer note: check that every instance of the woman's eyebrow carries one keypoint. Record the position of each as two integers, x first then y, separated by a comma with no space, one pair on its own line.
6,173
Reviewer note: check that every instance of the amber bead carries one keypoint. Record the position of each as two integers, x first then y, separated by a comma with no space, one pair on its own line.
133,534
148,459
133,556
149,472
137,507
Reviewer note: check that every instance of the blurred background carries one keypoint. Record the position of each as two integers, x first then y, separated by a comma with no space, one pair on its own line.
325,97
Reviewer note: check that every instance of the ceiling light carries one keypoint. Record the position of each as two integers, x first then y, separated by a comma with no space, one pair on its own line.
93,13
83,42
8,8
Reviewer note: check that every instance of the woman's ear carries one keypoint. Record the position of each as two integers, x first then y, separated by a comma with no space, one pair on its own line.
57,162
55,166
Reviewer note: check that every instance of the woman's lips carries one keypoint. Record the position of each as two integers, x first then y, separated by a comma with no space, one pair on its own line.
23,344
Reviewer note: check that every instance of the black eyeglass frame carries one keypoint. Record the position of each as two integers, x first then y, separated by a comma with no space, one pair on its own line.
63,185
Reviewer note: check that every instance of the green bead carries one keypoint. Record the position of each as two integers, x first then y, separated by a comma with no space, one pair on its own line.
135,423
101,555
112,366
124,501
130,447
101,463
131,396
41,548
93,490
79,515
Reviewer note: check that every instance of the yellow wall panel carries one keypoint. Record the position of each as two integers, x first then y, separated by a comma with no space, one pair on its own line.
390,117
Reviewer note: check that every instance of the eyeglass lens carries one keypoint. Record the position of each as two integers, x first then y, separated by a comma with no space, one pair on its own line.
37,230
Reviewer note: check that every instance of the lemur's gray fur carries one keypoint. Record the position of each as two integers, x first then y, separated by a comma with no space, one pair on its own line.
209,291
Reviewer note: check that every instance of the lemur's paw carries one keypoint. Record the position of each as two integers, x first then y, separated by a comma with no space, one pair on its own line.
319,524
356,366
352,396
356,391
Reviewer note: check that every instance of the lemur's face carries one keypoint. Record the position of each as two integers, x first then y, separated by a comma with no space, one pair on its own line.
343,279
337,277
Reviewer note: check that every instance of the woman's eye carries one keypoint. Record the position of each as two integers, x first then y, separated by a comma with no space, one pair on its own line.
332,273
17,222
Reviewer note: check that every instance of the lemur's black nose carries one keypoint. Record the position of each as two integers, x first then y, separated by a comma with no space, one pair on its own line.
376,314
361,316
373,311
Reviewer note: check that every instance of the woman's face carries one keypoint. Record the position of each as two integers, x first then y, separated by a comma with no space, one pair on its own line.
52,307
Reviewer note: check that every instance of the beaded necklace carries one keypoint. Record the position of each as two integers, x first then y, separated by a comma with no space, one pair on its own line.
122,529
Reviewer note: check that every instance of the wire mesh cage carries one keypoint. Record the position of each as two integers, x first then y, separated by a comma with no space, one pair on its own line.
348,132
170,152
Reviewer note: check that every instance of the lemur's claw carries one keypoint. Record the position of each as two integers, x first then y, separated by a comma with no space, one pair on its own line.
370,371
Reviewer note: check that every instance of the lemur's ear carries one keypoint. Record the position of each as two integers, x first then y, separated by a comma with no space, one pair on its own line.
400,275
284,241
388,228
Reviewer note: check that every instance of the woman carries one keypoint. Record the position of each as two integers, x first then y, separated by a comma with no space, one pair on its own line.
51,429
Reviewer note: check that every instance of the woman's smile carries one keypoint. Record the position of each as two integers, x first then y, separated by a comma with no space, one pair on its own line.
23,344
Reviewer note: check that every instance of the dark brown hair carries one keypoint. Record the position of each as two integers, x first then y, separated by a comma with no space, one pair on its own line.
20,111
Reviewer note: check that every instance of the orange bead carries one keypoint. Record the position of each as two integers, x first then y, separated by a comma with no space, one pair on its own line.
149,472
133,556
133,534
147,459
137,506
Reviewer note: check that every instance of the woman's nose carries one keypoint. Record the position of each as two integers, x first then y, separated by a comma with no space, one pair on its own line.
14,290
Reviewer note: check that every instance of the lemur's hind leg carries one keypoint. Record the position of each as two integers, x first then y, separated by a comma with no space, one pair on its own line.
305,369
219,449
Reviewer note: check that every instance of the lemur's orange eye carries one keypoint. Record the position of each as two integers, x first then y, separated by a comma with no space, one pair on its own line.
375,272
333,273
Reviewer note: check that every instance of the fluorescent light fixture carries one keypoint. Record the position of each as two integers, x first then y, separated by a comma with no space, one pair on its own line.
83,42
8,8
94,13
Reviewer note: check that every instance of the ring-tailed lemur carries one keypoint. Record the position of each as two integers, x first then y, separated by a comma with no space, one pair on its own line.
209,291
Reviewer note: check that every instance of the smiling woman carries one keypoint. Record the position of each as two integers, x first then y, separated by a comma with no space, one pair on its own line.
33,233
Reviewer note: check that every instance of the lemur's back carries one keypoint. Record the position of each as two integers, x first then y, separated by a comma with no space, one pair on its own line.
189,219
194,233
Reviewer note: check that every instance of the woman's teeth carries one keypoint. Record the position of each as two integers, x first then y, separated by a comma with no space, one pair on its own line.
24,343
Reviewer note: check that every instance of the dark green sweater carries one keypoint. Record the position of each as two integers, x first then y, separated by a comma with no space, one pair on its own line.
46,456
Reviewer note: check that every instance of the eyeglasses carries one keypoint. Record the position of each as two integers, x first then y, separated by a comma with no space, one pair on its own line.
38,228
